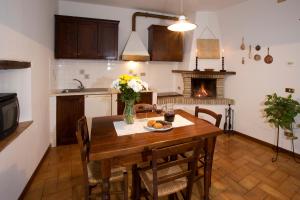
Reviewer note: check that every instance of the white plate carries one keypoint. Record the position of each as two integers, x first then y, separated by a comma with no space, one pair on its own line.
155,129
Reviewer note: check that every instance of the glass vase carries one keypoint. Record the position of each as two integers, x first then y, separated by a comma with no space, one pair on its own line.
129,111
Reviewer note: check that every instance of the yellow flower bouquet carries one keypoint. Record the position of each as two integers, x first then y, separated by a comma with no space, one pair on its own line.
130,88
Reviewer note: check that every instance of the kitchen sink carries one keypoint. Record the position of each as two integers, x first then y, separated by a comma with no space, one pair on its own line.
71,90
85,90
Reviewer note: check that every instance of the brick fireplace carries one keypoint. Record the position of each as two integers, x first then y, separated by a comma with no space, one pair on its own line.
204,88
201,87
190,79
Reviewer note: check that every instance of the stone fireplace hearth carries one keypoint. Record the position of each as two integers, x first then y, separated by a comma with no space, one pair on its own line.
202,87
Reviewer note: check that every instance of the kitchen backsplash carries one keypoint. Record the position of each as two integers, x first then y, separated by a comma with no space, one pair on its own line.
101,73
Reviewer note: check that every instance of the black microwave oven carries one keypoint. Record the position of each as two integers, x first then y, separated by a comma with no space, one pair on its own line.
9,113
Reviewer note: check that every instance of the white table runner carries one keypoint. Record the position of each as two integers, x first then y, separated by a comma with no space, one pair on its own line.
139,125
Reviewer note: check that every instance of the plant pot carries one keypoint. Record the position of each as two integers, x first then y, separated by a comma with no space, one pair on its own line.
129,111
290,135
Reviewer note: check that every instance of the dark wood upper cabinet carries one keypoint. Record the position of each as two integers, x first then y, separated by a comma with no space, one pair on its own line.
165,45
108,40
65,38
68,110
86,38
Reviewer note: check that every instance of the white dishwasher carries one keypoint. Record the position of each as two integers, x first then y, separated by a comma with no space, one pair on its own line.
97,106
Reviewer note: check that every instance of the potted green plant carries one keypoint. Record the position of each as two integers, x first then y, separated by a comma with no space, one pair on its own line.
281,112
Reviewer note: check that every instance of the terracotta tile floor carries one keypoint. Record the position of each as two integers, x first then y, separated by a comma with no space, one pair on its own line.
242,170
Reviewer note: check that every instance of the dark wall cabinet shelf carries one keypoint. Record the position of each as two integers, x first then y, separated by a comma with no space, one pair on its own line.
11,64
165,45
11,137
86,38
68,110
146,97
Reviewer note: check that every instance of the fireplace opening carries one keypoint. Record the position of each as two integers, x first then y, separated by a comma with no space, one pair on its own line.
204,88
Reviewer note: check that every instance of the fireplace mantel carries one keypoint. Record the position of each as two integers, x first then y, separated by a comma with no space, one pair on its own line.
187,97
204,72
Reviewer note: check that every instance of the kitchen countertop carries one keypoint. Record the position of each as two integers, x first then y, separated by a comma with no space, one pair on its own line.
89,91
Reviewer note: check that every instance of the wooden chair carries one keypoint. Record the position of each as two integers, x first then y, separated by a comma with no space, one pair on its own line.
143,108
167,178
140,109
91,169
217,118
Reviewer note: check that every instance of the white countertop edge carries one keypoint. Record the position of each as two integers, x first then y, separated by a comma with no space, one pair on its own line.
109,92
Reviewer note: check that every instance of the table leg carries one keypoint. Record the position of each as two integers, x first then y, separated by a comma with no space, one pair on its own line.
209,153
105,189
105,174
135,183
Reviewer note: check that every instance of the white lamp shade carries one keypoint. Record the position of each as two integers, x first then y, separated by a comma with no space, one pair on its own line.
182,25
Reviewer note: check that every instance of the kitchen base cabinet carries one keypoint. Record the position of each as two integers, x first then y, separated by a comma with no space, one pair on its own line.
146,97
68,110
97,106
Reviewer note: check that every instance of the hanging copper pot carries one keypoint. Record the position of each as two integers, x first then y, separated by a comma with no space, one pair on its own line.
268,58
257,47
243,46
257,57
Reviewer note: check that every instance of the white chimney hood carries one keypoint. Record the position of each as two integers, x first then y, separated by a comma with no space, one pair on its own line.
135,49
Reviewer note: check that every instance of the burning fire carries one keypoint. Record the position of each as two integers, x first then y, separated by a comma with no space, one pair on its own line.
202,91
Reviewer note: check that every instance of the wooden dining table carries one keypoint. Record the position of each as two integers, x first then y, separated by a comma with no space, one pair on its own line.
129,150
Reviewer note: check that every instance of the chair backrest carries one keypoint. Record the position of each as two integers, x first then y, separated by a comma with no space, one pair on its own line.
143,108
82,136
187,171
217,117
84,155
83,128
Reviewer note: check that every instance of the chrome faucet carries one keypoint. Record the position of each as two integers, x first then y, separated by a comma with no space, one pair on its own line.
81,86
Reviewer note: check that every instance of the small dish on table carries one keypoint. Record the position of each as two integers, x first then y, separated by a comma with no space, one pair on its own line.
158,125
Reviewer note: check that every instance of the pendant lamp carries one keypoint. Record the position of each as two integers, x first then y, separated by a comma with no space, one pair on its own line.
182,24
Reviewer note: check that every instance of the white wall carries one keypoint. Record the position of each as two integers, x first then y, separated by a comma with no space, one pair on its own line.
26,33
207,28
270,25
159,75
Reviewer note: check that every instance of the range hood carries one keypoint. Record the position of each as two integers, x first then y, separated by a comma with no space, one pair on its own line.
135,49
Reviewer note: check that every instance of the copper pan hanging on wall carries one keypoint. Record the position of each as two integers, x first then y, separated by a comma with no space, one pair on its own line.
268,59
257,57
